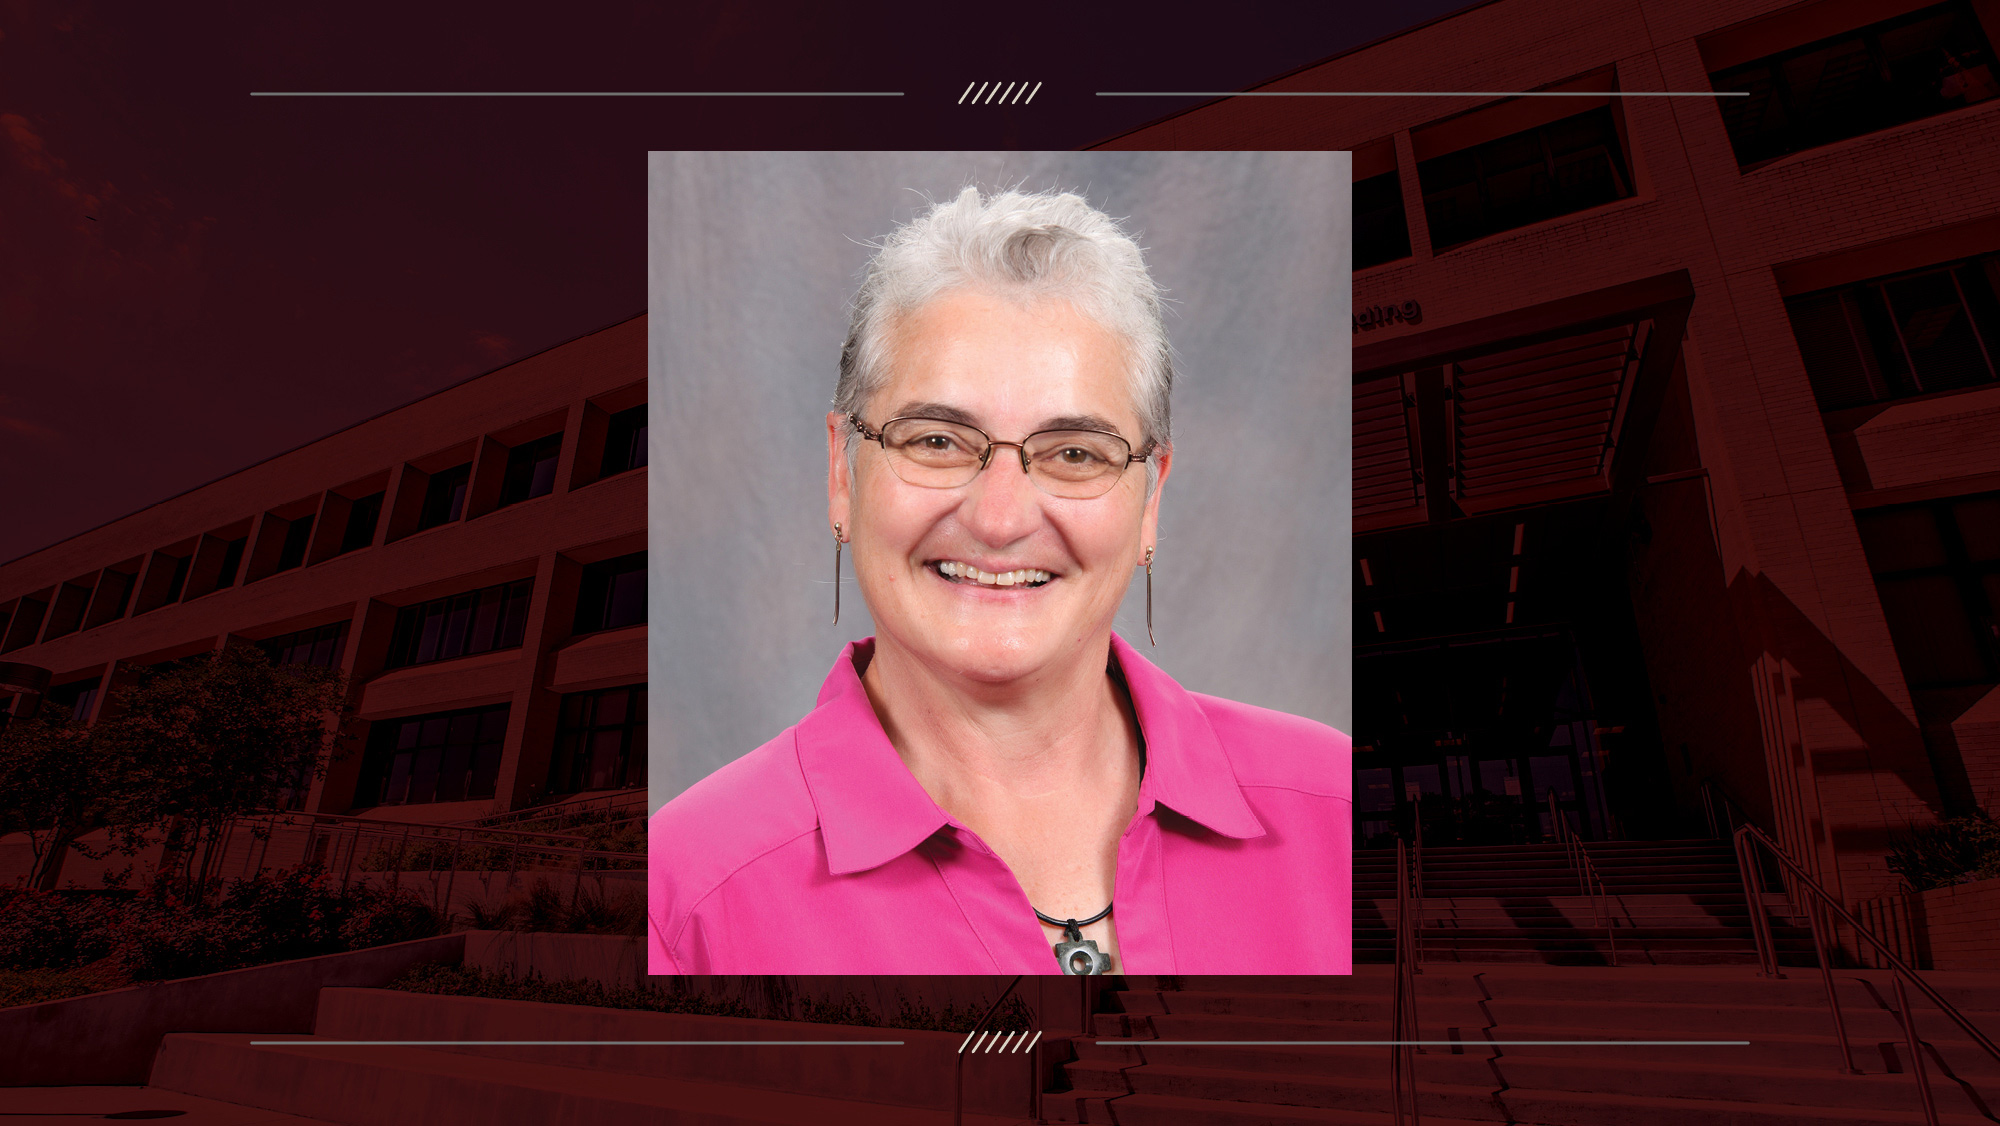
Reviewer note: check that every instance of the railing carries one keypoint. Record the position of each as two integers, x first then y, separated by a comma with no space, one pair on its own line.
1820,905
958,1079
341,844
1723,814
1588,882
1403,1017
632,802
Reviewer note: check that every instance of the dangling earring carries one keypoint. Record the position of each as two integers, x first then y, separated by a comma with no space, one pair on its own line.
837,541
1149,597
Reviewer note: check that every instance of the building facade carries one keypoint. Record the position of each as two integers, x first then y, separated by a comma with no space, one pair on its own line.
473,562
1677,418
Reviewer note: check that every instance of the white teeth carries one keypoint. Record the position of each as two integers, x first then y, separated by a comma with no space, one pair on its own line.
969,573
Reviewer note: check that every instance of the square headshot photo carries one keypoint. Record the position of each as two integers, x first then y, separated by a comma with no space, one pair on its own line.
999,553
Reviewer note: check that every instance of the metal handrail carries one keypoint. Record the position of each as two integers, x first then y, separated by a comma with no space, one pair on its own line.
958,1080
1588,881
1748,836
1417,884
1403,1017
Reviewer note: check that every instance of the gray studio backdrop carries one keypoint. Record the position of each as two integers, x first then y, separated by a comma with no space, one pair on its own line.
753,258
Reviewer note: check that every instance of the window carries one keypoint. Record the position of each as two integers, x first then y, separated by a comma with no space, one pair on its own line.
601,744
477,621
71,601
531,470
362,516
447,756
625,443
1568,165
613,594
1937,568
232,561
444,497
1909,334
317,646
298,534
178,583
1903,69
74,698
27,620
1381,229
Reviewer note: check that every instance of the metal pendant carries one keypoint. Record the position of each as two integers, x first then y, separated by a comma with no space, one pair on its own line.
1079,956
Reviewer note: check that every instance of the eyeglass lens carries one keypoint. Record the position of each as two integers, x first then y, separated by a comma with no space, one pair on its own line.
1067,463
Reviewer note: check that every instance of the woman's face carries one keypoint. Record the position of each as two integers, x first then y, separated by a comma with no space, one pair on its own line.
1009,368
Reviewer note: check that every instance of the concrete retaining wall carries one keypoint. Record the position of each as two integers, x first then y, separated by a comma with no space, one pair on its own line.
110,1038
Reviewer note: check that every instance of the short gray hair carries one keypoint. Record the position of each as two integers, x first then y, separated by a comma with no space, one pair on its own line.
1045,244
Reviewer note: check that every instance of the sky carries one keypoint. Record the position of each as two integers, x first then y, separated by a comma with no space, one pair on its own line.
193,279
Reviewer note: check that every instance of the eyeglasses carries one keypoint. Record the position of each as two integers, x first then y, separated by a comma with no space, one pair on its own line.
935,454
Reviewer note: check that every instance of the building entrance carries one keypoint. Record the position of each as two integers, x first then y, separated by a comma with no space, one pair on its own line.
1472,736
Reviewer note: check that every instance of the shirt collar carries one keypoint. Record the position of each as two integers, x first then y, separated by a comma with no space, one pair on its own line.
871,809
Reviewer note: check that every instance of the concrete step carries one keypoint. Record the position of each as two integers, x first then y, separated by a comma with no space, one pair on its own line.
920,1072
1633,1072
1442,1106
1127,1109
1975,993
390,1086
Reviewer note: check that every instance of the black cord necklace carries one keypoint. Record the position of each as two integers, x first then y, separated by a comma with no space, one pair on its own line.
1076,955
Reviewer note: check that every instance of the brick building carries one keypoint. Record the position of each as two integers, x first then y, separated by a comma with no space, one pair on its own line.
1677,428
474,562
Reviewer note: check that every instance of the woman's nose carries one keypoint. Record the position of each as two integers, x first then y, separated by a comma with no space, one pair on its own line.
1002,504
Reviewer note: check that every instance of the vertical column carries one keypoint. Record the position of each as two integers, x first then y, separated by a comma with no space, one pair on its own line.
531,725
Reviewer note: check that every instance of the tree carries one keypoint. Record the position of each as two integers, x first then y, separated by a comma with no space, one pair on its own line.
58,781
191,745
203,741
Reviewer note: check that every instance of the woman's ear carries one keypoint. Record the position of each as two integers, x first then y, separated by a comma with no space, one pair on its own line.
839,474
1149,523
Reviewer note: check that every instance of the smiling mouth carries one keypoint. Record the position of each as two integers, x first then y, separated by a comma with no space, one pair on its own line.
966,574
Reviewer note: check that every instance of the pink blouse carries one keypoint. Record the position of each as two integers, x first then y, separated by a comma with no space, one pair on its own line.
818,852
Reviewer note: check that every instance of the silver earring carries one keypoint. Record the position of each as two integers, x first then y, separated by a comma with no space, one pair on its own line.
1149,597
837,541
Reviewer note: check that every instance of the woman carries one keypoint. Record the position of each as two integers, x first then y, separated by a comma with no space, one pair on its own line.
996,783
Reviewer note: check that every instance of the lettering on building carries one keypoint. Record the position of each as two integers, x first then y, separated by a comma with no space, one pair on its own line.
1376,316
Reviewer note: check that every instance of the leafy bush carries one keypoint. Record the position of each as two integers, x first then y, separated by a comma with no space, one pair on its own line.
1953,851
160,939
471,981
54,930
32,987
380,917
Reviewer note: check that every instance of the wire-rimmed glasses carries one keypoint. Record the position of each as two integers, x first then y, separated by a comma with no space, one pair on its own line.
937,454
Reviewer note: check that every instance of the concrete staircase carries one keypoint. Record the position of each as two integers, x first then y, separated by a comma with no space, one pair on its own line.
442,1081
1788,1075
1670,903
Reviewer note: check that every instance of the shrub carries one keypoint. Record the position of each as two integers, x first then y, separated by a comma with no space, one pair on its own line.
1951,852
53,930
162,939
380,917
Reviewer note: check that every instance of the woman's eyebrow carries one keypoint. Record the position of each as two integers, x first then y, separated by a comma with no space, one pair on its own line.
943,412
1079,422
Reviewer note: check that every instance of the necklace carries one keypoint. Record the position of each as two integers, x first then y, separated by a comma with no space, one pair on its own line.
1077,955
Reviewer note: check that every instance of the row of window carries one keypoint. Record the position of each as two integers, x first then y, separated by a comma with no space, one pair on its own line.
1937,569
611,595
1890,73
294,537
455,755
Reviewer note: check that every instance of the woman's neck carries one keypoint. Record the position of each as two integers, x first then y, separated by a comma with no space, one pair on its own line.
1064,740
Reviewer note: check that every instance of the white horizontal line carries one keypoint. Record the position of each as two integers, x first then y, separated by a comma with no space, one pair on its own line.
576,93
1438,1043
1423,93
567,1043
